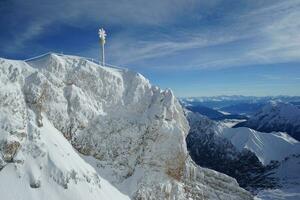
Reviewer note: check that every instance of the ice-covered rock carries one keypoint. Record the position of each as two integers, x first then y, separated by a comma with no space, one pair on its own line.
36,161
130,132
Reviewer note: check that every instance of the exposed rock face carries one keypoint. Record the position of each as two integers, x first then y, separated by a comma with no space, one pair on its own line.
136,132
9,151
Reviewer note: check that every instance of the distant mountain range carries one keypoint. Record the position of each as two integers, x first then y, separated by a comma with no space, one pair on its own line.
241,98
247,109
242,105
214,114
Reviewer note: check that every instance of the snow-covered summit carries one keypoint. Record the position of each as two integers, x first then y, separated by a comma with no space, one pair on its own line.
276,116
36,160
130,132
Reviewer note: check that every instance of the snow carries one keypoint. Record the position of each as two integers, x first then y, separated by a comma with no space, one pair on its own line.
279,194
285,110
130,134
232,122
288,172
262,144
223,112
266,146
49,161
276,116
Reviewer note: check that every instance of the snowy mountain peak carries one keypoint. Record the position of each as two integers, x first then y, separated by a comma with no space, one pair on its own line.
288,111
126,130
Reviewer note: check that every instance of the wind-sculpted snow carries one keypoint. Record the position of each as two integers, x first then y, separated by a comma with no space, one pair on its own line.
131,133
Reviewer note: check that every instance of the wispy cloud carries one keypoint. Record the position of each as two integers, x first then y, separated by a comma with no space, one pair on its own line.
128,50
38,19
262,33
272,32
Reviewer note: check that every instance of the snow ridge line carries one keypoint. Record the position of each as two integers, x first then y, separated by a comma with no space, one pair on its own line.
87,58
39,56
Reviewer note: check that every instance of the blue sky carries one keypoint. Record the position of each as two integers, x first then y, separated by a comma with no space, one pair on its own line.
194,47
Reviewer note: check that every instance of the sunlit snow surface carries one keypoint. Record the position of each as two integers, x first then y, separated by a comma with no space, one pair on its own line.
131,133
50,160
266,146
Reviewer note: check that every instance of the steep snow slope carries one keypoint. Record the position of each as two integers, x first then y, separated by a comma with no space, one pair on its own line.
276,116
47,167
262,144
132,133
38,162
266,146
220,154
210,149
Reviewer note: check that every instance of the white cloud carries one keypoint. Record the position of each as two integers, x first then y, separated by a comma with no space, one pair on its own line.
268,33
38,17
272,31
127,50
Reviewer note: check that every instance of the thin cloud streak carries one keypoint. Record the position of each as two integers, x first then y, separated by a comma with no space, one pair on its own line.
79,14
274,29
270,32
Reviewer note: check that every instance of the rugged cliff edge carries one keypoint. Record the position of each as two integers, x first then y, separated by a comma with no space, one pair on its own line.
129,132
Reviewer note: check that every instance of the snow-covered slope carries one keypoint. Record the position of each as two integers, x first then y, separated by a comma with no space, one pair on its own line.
208,147
131,133
215,145
38,162
260,143
276,116
47,167
266,146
